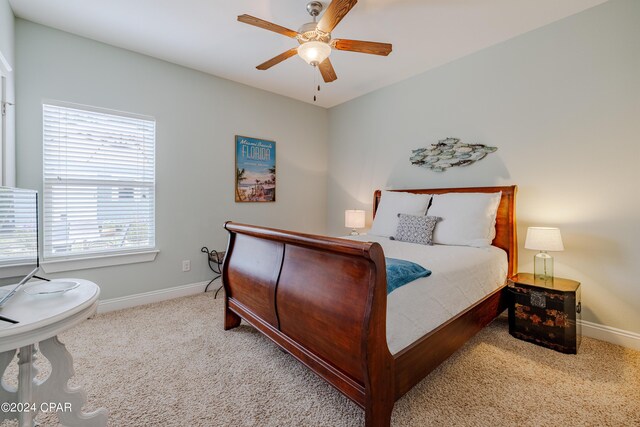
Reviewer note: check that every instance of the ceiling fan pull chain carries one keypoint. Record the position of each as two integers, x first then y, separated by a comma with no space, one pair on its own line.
315,82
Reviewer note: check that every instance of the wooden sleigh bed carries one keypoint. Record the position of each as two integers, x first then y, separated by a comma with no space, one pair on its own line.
324,301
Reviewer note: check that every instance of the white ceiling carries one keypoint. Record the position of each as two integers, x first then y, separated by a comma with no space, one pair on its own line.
204,35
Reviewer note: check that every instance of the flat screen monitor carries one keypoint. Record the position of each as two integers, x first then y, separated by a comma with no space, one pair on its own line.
19,259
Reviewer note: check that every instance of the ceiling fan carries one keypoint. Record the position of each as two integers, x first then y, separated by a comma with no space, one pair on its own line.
315,38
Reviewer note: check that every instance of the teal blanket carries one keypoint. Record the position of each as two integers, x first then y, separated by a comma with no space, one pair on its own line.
401,272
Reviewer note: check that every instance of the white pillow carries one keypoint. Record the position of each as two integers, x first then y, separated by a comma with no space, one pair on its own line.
468,219
393,203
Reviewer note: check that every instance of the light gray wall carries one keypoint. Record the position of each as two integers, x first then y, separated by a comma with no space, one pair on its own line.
197,116
562,104
7,43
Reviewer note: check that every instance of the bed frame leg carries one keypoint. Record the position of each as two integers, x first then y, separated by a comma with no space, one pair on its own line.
378,415
231,320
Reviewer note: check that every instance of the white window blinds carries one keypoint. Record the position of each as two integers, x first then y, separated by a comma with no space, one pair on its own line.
99,182
18,226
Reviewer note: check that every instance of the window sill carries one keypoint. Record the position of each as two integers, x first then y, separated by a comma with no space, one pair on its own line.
70,264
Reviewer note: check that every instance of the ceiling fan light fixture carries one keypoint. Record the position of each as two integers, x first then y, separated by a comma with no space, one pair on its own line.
314,52
314,38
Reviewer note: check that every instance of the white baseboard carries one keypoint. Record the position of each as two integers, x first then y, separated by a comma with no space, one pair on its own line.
119,303
609,334
589,329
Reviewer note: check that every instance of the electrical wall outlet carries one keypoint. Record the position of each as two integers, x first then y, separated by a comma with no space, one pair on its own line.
186,265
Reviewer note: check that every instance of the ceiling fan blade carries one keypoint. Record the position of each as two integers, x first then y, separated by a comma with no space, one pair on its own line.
261,23
361,46
334,14
278,59
327,71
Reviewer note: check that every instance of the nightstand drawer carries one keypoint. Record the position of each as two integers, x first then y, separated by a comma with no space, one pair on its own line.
545,315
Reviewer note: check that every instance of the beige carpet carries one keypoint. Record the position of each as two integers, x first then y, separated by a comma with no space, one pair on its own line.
171,364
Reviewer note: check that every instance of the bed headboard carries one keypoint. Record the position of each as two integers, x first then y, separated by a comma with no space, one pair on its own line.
506,233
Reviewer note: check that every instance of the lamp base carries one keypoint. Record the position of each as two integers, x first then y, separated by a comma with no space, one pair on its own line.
543,267
354,232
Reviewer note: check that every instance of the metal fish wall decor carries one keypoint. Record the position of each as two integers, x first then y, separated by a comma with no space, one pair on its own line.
449,152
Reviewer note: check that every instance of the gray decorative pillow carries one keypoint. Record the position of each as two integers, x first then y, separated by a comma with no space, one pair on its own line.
416,228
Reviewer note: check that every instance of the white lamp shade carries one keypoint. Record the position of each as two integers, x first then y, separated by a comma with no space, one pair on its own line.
314,52
354,218
544,239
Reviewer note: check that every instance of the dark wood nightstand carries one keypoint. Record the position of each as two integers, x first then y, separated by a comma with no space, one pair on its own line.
545,312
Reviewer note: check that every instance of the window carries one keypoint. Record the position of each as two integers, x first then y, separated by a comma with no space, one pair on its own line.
99,182
18,226
3,125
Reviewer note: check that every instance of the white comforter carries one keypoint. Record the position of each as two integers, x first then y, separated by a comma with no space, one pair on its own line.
461,276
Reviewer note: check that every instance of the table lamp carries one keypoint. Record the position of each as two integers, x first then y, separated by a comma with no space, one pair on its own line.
543,239
354,219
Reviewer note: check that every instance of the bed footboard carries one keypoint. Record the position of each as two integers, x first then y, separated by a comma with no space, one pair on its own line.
321,299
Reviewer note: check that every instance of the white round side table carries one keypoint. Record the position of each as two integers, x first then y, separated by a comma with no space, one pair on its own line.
40,318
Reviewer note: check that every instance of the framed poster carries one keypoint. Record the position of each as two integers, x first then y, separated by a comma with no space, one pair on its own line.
255,170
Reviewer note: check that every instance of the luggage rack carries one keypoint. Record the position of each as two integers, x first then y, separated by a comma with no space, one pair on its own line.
215,260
